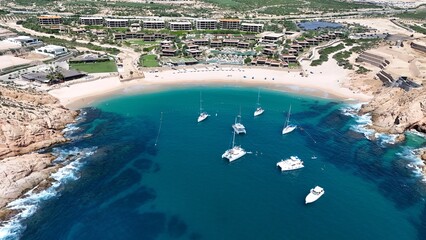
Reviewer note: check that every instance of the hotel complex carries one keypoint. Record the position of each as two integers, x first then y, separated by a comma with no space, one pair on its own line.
154,24
49,20
232,24
116,23
176,26
206,24
251,27
89,21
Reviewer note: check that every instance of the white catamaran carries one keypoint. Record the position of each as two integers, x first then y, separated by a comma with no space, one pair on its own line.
203,115
238,126
259,110
235,152
288,127
291,163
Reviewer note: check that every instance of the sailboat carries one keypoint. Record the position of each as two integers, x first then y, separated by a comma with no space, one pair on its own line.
259,110
203,115
238,126
288,127
235,152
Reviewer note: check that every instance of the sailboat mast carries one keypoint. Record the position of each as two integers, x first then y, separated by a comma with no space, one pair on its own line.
258,97
288,116
233,140
201,106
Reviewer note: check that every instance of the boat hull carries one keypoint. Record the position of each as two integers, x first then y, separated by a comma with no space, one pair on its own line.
202,117
288,129
239,129
258,112
234,154
310,198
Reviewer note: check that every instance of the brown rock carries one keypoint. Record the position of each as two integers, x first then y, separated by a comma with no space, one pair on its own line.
30,121
394,110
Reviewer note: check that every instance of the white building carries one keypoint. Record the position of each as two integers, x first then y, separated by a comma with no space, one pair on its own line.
91,21
23,40
52,50
206,24
116,23
154,24
251,27
186,26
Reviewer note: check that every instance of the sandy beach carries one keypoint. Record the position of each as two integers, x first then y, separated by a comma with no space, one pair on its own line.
323,81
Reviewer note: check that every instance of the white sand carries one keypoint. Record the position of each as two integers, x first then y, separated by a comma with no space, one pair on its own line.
324,81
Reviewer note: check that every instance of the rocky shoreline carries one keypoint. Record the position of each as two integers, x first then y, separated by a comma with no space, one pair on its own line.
394,111
29,121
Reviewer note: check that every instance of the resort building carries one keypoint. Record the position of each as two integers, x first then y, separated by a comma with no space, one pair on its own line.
200,42
302,43
49,20
205,24
292,51
154,24
272,37
216,43
180,26
134,35
43,77
52,50
192,46
91,21
288,58
149,38
24,41
168,52
296,47
252,27
243,45
194,52
269,51
116,23
232,24
230,42
312,41
119,36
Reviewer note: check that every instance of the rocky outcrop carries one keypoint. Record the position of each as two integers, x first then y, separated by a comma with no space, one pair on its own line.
30,121
394,110
22,173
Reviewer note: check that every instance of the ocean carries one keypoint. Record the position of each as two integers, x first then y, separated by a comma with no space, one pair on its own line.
141,167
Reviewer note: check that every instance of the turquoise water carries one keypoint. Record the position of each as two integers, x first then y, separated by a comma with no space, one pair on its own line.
150,182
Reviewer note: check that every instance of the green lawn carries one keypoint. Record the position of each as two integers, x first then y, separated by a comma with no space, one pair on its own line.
98,67
142,42
149,61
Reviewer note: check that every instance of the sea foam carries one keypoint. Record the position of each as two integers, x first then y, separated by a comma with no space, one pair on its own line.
28,204
363,123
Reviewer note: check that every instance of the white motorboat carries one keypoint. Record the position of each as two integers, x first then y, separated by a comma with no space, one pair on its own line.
288,127
235,152
238,126
259,110
314,194
291,163
203,115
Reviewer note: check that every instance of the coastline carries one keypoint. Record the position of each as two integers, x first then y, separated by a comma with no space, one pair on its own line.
323,82
30,121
